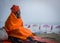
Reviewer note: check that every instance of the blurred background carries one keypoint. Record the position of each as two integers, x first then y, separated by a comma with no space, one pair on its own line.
34,12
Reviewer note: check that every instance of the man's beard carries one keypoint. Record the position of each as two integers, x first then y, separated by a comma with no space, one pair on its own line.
17,15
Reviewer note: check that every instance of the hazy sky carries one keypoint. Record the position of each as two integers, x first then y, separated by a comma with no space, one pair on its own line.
33,11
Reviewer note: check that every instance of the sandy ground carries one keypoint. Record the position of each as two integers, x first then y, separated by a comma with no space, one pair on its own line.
55,37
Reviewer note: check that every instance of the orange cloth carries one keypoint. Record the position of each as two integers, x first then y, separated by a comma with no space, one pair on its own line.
14,27
6,41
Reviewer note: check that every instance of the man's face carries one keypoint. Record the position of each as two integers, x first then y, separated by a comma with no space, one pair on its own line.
17,14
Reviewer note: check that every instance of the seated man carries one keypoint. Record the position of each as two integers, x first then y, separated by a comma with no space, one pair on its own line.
14,27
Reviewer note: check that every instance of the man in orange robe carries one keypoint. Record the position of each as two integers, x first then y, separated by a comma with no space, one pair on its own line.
14,26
